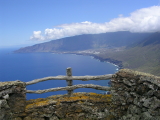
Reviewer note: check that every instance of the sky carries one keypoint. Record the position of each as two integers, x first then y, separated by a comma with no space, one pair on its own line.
28,22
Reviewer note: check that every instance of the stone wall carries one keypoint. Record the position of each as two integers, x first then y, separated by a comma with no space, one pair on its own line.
136,96
81,106
12,99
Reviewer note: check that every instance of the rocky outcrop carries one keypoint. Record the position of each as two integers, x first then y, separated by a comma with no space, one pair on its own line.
136,96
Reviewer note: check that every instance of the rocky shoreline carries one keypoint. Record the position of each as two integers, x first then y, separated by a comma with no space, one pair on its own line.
110,60
95,56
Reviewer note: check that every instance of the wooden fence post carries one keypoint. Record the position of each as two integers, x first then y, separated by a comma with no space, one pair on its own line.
69,82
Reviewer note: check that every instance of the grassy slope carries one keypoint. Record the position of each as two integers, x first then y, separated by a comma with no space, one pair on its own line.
143,56
144,59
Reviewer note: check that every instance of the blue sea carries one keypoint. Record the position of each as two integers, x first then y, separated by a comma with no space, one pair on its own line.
29,66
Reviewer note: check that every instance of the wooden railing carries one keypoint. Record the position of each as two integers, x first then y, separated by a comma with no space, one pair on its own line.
69,78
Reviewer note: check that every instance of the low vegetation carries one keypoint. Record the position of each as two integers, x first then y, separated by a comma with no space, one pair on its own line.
57,99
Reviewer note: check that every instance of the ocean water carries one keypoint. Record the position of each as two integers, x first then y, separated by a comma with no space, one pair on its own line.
29,66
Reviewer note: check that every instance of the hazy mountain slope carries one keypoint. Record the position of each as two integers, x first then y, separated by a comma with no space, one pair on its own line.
142,53
90,41
143,56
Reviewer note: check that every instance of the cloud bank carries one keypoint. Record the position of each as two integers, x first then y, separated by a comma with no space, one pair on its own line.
142,20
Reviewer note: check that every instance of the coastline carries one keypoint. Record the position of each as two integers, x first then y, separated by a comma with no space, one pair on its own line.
92,53
116,63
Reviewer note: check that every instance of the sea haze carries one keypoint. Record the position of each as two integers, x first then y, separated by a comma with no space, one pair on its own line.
29,66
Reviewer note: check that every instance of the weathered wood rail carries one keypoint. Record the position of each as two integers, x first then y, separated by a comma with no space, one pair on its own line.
69,78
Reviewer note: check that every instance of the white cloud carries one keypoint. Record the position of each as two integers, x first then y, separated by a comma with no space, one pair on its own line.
142,20
37,35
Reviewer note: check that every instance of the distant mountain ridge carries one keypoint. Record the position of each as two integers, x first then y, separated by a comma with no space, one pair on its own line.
87,41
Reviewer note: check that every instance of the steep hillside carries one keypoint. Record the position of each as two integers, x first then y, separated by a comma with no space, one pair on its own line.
142,52
143,56
90,41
